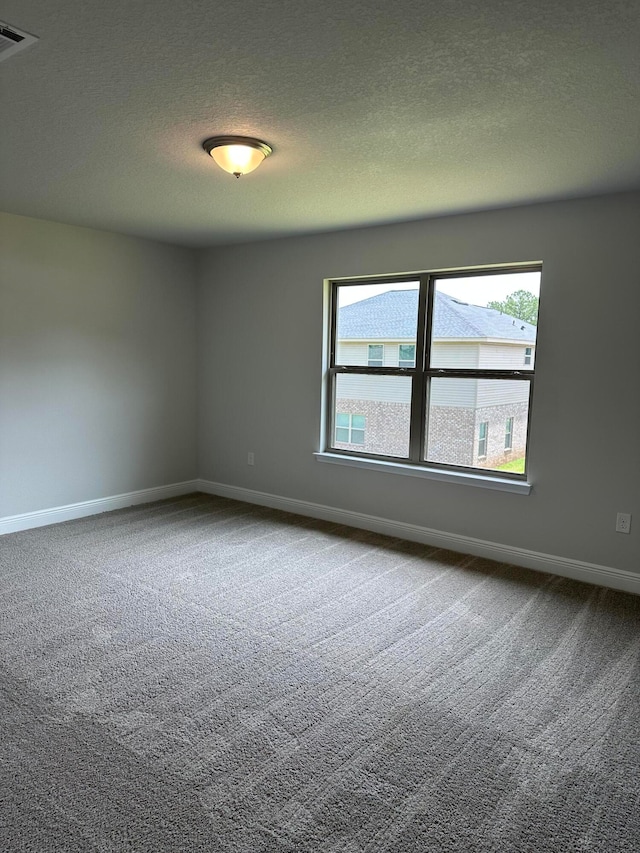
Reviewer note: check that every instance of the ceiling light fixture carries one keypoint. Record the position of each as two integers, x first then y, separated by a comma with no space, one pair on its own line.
237,155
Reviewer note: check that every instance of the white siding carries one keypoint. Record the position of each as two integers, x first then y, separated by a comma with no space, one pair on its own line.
387,389
464,393
498,392
391,354
454,354
357,353
458,393
504,356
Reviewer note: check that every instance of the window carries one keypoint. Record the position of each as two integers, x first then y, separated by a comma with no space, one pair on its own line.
483,437
407,355
459,383
376,355
349,428
527,355
508,434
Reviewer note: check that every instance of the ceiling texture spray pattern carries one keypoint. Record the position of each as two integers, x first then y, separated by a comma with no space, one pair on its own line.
376,111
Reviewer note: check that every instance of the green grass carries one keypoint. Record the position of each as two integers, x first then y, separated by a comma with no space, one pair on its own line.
514,465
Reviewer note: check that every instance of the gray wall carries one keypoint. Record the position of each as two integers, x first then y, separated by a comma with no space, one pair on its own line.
260,345
98,370
97,365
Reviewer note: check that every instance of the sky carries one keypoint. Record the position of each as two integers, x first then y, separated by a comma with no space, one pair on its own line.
476,290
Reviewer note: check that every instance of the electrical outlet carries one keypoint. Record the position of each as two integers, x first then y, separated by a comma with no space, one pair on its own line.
623,522
251,459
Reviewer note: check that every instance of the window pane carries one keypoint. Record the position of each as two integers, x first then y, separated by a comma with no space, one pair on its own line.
407,352
508,434
368,313
342,419
483,434
376,355
357,421
342,434
384,403
486,322
466,423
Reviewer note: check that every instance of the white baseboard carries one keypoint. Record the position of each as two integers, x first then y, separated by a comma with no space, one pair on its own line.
27,520
563,566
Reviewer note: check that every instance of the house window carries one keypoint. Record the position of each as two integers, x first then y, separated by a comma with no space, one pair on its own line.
508,434
407,355
527,356
350,428
483,435
376,355
456,377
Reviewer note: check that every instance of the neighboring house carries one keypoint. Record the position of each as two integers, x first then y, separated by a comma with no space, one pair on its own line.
473,422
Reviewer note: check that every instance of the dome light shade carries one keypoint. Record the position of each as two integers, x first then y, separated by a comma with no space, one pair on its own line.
237,155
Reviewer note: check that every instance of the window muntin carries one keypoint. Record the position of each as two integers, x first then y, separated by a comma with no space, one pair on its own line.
463,346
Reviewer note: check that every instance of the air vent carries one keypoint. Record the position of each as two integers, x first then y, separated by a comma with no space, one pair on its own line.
12,40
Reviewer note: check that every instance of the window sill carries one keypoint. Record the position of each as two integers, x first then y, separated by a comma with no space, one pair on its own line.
519,487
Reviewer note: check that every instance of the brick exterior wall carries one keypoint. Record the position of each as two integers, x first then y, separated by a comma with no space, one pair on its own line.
453,431
496,417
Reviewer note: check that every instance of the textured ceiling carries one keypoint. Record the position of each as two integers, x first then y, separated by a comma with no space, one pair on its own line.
377,111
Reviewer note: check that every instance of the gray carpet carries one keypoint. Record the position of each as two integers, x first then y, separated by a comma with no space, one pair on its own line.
203,675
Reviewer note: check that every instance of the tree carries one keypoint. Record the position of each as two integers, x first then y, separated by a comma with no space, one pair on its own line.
520,304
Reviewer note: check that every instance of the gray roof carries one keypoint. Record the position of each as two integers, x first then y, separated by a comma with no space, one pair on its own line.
392,316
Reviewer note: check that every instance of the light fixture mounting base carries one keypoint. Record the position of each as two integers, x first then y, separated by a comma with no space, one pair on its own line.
217,141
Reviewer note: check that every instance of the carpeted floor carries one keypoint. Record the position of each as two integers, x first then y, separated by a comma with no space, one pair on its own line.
204,675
